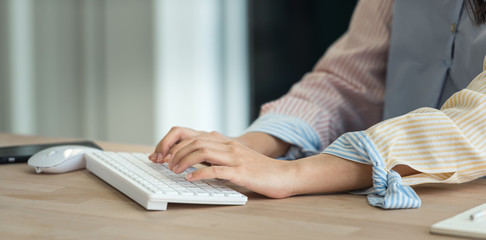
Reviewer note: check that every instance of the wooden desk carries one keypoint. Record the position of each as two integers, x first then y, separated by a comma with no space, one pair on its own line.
78,205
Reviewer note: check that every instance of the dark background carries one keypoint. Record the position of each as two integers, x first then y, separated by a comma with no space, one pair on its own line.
287,37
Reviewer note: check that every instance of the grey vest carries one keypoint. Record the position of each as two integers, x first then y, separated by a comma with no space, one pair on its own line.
435,51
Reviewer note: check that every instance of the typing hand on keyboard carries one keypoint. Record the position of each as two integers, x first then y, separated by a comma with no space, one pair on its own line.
153,185
182,148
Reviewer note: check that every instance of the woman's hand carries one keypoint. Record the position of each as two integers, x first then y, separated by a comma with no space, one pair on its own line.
237,163
230,160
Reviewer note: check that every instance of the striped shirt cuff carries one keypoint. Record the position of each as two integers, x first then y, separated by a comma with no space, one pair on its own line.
302,137
387,191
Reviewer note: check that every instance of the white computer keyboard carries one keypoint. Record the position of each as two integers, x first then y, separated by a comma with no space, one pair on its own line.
153,185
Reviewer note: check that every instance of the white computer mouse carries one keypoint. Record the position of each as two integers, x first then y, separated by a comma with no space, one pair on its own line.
60,159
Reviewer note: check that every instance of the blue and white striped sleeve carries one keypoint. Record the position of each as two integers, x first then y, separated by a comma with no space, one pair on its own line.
387,191
303,139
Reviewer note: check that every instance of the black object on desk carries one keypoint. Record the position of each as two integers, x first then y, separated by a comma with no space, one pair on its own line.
22,153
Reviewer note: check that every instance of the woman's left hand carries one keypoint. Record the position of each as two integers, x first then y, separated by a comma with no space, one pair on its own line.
235,162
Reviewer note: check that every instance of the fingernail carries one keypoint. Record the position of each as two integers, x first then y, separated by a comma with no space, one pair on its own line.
159,157
189,176
168,157
175,168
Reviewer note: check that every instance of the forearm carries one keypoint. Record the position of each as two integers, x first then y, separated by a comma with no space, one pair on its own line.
324,173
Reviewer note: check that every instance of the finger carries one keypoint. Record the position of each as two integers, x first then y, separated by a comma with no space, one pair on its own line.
153,157
211,136
199,151
221,172
195,142
174,150
174,135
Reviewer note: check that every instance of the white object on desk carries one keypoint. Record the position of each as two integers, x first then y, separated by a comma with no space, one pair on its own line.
60,159
153,185
462,225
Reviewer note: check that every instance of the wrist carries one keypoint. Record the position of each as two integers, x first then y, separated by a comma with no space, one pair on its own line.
282,176
264,143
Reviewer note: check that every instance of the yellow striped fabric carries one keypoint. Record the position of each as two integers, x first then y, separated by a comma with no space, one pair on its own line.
446,145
